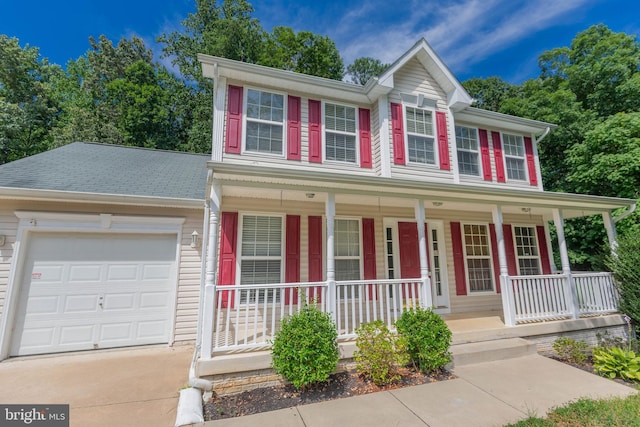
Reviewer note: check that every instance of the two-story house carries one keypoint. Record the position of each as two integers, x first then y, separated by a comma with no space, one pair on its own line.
369,199
364,200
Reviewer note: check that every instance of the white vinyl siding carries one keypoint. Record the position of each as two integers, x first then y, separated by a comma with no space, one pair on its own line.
340,133
347,249
527,250
514,156
264,122
261,250
478,257
420,135
468,152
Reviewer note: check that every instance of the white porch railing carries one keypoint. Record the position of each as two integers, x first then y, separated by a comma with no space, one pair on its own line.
551,296
248,316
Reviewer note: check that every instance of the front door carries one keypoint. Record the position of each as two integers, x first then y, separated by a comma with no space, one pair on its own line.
403,257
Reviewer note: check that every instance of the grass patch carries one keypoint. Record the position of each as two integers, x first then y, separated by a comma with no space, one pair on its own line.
590,413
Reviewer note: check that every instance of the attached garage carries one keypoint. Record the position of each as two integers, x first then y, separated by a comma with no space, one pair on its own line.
87,291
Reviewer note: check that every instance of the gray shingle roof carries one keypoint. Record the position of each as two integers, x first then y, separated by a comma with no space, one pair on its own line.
110,169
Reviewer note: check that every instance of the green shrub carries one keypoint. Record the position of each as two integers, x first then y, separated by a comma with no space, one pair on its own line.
570,350
617,363
380,352
428,338
305,348
626,271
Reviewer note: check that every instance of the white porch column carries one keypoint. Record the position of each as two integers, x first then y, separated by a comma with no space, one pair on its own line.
427,298
330,213
612,235
564,259
211,271
508,305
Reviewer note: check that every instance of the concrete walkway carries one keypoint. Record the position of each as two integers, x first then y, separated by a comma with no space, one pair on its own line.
123,387
484,394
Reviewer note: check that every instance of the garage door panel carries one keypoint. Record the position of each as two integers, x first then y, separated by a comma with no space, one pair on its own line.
85,291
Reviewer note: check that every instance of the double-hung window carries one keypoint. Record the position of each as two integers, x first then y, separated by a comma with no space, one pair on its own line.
514,156
420,135
264,122
478,257
527,250
468,153
347,254
260,252
340,133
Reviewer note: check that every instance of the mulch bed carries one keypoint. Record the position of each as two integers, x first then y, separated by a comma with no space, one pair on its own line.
588,367
339,385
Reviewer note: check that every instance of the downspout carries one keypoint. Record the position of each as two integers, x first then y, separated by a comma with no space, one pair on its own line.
631,210
544,135
194,380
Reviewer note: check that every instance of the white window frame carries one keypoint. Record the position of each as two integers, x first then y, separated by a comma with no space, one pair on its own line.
436,154
523,158
356,133
489,257
515,247
478,151
245,96
360,243
240,257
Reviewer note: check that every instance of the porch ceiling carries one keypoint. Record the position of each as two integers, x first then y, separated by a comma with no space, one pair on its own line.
304,185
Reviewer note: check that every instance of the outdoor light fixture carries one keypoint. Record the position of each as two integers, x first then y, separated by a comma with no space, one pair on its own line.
437,204
195,238
526,210
310,195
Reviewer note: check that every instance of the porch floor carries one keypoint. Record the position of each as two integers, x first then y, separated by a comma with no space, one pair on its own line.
465,327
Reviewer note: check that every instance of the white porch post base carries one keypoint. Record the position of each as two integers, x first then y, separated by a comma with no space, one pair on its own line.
207,328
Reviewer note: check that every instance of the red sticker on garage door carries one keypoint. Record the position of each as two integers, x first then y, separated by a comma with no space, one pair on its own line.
35,276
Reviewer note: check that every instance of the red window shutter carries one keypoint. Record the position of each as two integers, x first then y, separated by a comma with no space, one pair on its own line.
531,161
227,264
497,155
443,140
495,258
293,128
397,130
292,260
369,252
544,251
234,120
315,129
512,266
458,259
365,138
484,153
315,254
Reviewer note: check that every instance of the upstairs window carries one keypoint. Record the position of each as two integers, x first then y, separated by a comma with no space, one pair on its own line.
468,153
527,250
264,122
420,136
514,156
340,133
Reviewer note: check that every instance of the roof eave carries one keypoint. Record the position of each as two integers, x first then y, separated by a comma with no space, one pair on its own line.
502,121
9,193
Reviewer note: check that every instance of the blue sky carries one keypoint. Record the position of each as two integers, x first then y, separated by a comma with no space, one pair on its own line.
475,38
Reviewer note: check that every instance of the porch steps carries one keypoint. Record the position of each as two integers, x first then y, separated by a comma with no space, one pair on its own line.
486,351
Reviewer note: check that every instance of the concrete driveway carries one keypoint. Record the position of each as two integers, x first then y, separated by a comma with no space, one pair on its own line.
123,387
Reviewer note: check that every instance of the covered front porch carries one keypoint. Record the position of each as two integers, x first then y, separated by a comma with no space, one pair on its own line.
455,248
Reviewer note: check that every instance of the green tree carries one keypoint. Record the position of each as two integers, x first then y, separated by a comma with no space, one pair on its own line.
489,93
363,69
302,52
27,110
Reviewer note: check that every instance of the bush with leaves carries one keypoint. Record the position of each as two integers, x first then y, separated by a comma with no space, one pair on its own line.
625,265
428,338
380,352
570,350
617,363
305,348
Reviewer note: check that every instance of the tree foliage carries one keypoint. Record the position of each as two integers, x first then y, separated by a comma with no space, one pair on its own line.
489,93
363,69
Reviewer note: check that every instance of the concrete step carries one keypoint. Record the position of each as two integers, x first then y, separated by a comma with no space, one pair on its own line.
486,351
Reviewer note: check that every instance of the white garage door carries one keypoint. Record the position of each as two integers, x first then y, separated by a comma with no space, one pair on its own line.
89,291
